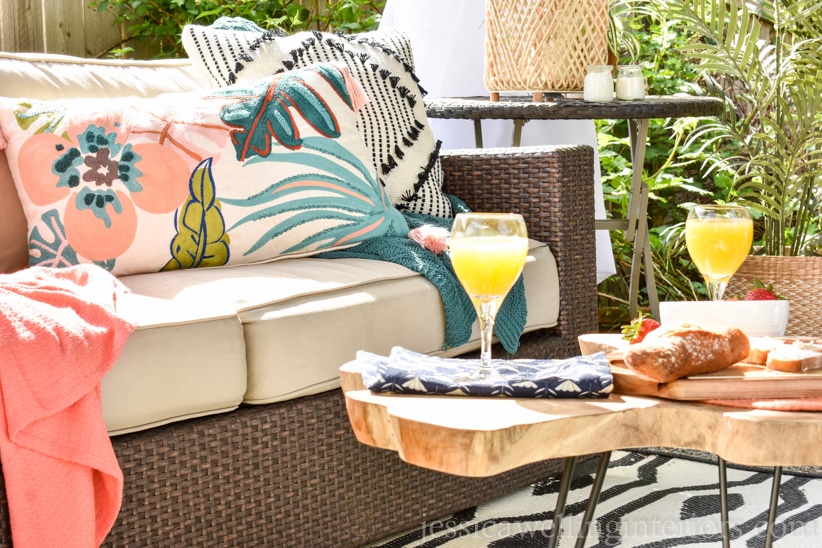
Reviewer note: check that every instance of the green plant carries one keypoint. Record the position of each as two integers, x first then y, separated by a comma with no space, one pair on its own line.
762,58
158,22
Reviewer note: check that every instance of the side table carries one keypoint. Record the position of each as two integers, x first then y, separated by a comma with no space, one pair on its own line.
521,109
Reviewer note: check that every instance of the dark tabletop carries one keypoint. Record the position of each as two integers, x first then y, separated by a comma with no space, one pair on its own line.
560,108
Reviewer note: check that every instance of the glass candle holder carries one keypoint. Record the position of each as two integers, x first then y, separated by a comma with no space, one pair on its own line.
599,84
630,85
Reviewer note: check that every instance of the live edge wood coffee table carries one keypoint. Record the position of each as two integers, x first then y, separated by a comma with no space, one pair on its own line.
486,436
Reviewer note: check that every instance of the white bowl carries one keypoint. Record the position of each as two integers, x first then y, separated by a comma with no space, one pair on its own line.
755,318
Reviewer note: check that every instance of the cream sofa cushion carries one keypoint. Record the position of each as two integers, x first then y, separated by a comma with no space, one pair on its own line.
178,363
49,76
303,318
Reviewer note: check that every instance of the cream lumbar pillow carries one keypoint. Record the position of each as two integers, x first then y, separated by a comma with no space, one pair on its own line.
245,174
394,123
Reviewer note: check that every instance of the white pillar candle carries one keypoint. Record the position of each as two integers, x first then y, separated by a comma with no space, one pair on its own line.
630,85
599,84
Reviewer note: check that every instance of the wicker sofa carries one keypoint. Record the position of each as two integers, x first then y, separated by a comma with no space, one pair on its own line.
218,467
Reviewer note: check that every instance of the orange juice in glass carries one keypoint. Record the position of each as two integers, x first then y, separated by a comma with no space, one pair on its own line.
488,266
488,252
718,238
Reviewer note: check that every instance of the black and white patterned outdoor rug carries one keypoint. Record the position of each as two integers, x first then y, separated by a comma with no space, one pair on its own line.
648,500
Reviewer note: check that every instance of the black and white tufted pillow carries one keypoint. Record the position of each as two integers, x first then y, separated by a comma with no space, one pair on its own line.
393,123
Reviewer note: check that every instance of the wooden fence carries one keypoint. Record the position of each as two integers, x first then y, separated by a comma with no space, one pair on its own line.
69,27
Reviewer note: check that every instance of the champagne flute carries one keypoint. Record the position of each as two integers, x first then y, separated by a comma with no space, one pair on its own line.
718,238
488,252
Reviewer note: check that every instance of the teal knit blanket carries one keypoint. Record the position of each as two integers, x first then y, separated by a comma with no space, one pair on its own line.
459,312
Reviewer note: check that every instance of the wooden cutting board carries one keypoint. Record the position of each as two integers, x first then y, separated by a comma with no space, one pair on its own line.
735,382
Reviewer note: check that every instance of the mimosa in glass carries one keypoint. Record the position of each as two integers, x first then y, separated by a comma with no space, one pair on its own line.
718,238
488,252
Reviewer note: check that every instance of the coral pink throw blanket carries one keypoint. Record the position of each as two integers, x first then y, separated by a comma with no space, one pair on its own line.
59,334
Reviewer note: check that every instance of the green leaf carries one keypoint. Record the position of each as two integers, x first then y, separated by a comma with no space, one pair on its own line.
201,239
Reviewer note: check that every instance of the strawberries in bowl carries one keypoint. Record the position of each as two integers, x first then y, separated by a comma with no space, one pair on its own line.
761,292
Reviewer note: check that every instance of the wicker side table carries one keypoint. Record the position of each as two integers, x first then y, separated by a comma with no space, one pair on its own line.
521,109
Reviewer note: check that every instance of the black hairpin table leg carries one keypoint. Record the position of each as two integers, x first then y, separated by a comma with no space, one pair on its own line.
723,503
562,498
593,498
777,480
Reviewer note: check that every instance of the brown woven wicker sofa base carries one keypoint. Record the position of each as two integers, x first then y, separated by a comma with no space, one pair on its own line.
285,475
292,473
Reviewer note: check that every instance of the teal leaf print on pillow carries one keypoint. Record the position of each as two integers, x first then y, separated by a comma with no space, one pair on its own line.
347,193
334,199
263,112
54,252
337,81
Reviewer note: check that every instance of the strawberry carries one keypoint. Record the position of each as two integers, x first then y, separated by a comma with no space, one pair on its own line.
638,328
761,292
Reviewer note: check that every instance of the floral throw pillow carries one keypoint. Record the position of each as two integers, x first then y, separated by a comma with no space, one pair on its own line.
394,123
249,173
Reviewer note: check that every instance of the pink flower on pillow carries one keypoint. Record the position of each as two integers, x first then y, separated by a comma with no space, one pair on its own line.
106,181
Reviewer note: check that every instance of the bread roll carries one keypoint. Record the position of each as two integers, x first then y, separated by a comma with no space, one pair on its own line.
793,359
682,350
790,354
795,356
760,348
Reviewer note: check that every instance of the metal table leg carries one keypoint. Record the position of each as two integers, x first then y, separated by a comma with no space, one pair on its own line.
478,132
562,498
593,499
777,480
639,240
637,231
517,137
638,135
648,263
723,504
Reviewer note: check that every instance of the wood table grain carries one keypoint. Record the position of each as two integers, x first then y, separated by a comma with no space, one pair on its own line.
485,436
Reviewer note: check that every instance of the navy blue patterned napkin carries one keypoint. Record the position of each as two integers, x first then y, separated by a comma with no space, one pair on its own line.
408,372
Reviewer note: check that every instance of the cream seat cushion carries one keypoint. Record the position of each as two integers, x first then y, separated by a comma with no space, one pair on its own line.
303,318
178,363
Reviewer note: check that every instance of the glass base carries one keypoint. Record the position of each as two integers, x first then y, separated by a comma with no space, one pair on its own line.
492,374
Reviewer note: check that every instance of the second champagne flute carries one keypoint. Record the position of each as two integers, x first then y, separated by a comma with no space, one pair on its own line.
718,238
488,252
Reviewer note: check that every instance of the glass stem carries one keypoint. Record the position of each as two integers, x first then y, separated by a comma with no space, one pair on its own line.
487,311
716,289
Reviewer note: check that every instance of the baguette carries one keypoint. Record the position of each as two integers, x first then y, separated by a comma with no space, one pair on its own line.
681,350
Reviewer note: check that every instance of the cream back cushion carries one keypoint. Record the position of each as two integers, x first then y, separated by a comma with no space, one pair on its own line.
50,77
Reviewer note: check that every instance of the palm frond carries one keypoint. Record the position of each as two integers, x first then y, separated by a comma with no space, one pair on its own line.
764,59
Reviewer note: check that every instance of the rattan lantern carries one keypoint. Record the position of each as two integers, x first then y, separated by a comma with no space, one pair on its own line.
543,45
